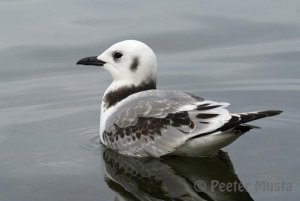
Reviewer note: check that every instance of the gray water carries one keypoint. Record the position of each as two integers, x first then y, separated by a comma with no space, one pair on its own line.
244,53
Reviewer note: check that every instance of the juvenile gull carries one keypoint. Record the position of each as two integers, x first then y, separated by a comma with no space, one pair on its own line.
139,120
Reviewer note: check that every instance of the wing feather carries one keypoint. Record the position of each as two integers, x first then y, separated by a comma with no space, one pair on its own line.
156,122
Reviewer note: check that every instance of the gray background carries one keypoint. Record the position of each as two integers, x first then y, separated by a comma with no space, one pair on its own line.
245,53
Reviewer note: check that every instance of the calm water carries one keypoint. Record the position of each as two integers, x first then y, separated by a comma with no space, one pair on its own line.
247,54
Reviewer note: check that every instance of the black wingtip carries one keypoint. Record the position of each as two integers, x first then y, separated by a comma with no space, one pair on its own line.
251,116
271,112
247,117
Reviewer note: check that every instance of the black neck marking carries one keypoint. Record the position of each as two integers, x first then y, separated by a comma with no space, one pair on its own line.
113,97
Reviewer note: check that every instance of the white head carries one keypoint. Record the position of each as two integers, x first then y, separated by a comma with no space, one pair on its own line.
129,62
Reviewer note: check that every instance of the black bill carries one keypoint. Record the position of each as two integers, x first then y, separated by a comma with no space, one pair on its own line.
92,61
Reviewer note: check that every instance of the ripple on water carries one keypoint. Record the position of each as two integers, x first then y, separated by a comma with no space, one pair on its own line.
92,134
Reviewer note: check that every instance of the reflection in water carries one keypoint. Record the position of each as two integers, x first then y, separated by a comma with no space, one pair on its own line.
172,178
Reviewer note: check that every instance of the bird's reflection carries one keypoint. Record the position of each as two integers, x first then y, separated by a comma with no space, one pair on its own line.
173,178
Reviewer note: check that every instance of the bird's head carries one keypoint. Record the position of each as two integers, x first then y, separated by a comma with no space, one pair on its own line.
129,61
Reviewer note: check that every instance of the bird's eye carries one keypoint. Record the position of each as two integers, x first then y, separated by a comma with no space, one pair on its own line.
117,55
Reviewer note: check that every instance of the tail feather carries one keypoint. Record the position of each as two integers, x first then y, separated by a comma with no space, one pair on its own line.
241,118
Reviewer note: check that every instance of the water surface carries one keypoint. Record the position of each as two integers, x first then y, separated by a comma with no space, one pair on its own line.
245,53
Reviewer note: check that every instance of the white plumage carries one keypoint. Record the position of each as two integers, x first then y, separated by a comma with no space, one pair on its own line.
139,120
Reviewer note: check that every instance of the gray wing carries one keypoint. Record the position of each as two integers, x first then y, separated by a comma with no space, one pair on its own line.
156,122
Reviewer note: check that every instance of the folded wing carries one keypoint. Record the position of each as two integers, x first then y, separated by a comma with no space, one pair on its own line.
156,122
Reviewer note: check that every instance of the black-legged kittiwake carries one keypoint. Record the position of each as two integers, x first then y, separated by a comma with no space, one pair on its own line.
139,120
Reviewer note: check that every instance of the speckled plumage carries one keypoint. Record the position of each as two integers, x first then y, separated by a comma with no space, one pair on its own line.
139,120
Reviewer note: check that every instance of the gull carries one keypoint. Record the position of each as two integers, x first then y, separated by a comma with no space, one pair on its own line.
139,120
